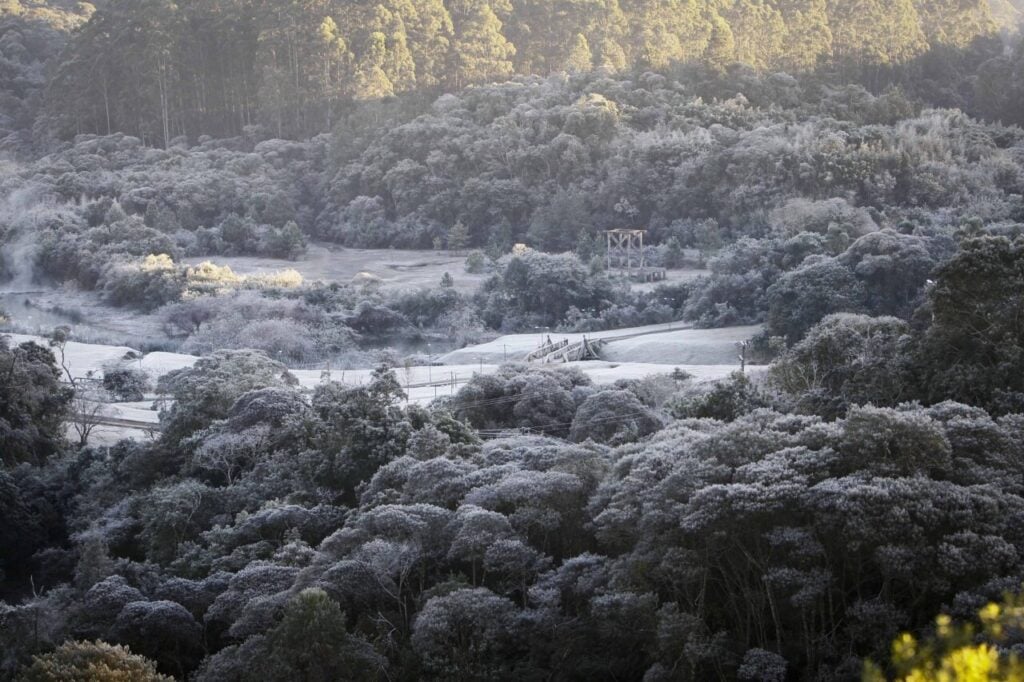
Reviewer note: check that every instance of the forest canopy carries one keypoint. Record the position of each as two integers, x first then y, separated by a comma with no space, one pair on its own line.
160,69
847,176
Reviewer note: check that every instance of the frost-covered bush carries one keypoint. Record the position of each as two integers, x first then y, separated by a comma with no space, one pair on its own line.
724,400
533,288
463,633
148,284
613,417
126,383
762,666
521,397
476,262
285,329
836,219
206,391
847,360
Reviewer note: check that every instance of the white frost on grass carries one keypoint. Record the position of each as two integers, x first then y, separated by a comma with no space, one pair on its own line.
392,269
422,383
674,343
716,344
81,358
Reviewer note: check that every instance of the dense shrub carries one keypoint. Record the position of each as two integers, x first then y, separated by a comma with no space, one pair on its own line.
91,662
125,383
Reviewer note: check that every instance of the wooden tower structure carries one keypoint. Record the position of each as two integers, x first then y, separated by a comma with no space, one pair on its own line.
626,254
626,250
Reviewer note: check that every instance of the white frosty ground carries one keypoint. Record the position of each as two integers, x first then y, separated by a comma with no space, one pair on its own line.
660,344
423,384
391,268
83,358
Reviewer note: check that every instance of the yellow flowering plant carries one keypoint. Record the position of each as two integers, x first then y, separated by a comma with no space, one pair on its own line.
959,652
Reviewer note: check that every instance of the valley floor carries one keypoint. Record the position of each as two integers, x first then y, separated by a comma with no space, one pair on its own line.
707,355
390,268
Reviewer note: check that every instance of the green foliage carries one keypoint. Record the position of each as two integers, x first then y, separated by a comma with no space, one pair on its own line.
33,404
724,400
299,65
974,346
312,643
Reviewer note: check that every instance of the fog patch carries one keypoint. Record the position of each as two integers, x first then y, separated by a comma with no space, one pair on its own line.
24,214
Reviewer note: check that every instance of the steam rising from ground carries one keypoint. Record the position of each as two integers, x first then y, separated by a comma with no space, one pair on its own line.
24,213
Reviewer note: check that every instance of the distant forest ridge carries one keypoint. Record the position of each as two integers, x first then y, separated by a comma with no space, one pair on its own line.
160,69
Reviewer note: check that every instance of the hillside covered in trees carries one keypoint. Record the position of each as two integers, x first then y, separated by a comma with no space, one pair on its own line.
804,198
848,174
161,69
651,530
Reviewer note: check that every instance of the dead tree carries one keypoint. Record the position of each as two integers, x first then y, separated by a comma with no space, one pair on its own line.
88,406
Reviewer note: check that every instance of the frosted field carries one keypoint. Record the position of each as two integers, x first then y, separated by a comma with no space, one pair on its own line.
425,383
661,344
85,357
332,263
98,321
422,381
39,310
396,269
683,347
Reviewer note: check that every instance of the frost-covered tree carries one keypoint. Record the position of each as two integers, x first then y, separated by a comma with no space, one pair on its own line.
462,634
206,391
613,417
847,360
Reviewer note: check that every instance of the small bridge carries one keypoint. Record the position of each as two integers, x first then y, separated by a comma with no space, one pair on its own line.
564,351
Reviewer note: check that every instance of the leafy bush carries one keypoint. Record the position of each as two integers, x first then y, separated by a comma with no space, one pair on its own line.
91,662
723,400
476,262
127,384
